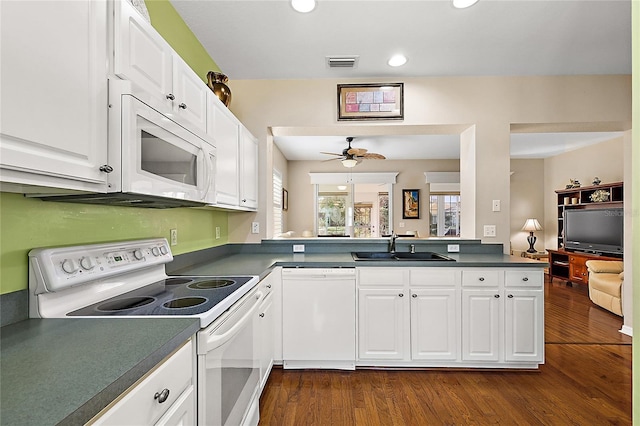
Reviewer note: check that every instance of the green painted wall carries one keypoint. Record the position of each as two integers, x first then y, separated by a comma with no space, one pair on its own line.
29,223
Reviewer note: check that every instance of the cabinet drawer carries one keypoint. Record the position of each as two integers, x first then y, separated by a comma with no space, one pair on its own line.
138,405
481,278
519,278
434,277
382,276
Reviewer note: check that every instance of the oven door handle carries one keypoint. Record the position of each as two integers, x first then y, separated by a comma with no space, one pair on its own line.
215,341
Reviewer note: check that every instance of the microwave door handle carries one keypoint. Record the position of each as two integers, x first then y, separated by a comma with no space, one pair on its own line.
216,341
207,171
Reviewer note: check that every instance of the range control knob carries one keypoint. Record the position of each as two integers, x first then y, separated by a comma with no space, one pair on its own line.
137,253
70,266
155,251
87,263
163,250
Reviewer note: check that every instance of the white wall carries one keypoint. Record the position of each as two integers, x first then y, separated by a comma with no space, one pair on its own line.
527,201
487,106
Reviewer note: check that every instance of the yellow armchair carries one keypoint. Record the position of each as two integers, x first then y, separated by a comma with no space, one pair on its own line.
605,284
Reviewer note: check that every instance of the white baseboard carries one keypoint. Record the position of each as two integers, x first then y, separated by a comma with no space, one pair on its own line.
627,330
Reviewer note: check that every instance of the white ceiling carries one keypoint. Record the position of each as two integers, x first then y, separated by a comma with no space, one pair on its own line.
267,39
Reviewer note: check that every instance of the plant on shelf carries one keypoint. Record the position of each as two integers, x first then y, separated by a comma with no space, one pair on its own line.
599,196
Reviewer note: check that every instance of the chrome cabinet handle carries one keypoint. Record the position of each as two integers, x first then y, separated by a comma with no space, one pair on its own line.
401,295
414,295
162,396
525,279
262,315
497,296
510,296
244,200
481,279
171,97
106,168
268,285
183,106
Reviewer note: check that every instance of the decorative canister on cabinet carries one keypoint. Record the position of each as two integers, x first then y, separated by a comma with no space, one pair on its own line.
217,82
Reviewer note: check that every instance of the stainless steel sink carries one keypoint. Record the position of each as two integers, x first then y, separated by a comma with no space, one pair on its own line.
385,256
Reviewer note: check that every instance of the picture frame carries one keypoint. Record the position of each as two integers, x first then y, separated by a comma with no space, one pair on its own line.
285,199
411,204
374,101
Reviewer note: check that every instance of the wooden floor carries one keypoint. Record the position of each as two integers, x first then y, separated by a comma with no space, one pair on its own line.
586,380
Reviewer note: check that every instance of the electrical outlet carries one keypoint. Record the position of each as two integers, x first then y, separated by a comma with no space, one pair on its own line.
401,224
217,232
489,230
496,205
174,236
255,227
453,248
298,248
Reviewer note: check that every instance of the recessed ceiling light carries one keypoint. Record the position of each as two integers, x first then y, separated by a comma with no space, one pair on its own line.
303,6
461,4
397,60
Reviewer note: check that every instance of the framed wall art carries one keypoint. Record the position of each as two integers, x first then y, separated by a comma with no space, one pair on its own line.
411,204
375,101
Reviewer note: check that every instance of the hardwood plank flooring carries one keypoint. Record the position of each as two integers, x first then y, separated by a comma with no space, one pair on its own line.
586,380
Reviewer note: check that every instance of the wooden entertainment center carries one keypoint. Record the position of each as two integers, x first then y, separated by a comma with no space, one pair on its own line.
567,265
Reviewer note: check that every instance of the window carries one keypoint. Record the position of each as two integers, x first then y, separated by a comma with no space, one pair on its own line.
333,208
444,215
277,203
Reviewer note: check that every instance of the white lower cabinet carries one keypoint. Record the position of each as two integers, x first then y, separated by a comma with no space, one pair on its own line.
266,329
382,322
477,317
165,396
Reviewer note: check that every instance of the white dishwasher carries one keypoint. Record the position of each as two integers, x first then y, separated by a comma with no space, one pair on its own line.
319,318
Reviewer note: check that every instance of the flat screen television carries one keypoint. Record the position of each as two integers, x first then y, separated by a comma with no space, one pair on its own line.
599,231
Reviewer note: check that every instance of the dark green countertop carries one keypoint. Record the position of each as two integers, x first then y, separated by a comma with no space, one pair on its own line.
261,263
64,371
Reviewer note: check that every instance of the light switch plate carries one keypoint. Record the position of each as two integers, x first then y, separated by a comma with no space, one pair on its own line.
496,205
255,227
298,248
453,248
489,230
174,237
217,232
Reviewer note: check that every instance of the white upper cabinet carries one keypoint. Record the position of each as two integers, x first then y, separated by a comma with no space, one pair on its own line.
249,170
225,129
143,57
54,94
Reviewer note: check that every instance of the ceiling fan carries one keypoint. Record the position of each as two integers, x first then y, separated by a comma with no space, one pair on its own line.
350,157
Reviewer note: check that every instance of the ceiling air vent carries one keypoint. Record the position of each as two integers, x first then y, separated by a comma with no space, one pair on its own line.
342,61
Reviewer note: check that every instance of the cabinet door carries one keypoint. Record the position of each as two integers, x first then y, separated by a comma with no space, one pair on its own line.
54,93
266,335
578,272
481,324
249,170
524,325
190,94
383,329
141,55
434,324
225,130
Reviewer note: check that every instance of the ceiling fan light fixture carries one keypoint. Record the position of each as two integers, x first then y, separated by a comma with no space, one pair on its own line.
303,6
349,162
463,4
397,60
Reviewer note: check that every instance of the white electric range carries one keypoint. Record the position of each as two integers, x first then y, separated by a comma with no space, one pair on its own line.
128,280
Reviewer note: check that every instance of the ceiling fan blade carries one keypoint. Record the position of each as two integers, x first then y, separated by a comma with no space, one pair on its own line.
331,153
374,156
332,159
357,151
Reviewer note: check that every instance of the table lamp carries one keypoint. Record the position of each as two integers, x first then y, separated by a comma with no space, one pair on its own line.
531,225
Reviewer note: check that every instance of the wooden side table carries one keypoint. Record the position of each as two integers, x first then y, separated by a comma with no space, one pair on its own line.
539,255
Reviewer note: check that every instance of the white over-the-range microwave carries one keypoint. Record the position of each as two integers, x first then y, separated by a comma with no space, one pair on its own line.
152,160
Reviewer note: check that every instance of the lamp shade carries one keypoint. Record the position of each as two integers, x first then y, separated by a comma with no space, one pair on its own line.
532,225
349,162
